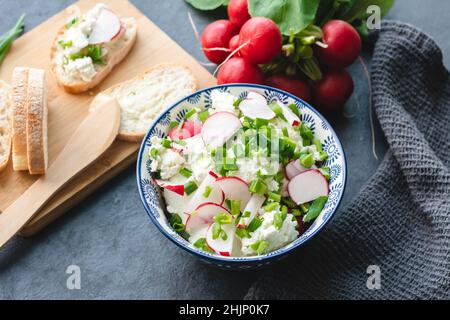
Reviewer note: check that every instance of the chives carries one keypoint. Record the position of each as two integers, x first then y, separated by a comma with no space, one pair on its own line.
207,191
235,207
255,224
261,122
315,209
271,206
304,207
173,124
296,212
305,132
285,132
307,160
258,186
203,115
275,196
326,172
154,153
166,143
294,109
186,173
318,145
190,113
323,155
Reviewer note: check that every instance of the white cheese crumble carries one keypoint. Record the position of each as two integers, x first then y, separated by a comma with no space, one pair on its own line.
168,162
222,102
82,68
268,232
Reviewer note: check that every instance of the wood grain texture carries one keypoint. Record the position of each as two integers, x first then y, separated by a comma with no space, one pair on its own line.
66,111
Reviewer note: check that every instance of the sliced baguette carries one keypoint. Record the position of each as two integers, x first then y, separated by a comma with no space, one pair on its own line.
5,124
142,98
37,122
19,118
117,51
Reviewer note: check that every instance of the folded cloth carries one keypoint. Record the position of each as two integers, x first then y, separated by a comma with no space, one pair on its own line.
397,230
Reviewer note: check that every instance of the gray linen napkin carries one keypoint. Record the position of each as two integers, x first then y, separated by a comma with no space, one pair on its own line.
400,221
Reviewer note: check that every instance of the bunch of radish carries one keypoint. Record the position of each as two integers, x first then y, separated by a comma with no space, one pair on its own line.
310,65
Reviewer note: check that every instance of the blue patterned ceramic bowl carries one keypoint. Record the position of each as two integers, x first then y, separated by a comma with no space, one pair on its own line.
154,204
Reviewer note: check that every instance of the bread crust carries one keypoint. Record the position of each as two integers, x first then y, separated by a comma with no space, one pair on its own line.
37,122
132,136
19,115
7,127
83,86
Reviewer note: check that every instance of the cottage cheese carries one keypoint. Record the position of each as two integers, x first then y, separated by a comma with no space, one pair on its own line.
168,162
81,68
268,232
222,102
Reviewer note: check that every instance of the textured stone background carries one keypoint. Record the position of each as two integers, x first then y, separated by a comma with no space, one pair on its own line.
120,253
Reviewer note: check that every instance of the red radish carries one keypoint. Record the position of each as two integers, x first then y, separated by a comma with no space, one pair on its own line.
105,28
254,204
194,127
343,45
333,90
220,246
239,70
219,128
308,186
119,34
296,87
215,196
294,168
290,116
203,216
235,188
177,188
261,40
234,44
215,40
255,106
179,134
238,12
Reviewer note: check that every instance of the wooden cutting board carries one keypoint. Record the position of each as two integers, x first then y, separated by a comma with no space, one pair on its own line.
66,111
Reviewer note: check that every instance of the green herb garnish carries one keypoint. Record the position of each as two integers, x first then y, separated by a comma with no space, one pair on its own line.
176,223
260,246
7,39
315,209
201,244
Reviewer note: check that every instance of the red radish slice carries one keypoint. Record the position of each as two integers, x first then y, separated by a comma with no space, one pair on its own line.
220,127
290,116
119,34
179,134
194,127
294,168
203,216
254,204
308,186
220,246
177,188
105,28
215,196
255,106
235,188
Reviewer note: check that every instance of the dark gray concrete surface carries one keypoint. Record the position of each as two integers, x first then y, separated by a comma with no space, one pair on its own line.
120,253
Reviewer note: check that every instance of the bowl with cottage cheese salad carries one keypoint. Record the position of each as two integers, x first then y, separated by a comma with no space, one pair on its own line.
241,174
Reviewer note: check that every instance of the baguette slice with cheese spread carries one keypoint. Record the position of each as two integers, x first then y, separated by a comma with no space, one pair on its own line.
19,118
143,98
5,124
37,122
89,46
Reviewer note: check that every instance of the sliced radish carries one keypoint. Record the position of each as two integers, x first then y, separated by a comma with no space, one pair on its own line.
105,28
171,186
255,106
235,189
220,246
308,186
254,204
179,134
194,127
177,203
203,216
290,116
219,128
215,196
294,168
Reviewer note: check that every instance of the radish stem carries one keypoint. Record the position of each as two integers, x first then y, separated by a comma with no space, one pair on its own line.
194,27
230,56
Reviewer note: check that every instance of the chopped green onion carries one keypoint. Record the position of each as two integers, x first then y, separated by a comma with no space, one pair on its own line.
318,145
323,155
258,186
326,172
271,206
279,176
304,207
190,113
285,132
223,218
190,187
201,244
65,44
255,224
306,142
166,143
243,233
279,217
173,124
307,160
296,212
260,246
315,209
176,223
235,207
207,191
277,110
203,115
289,202
230,164
246,214
305,132
154,153
294,109
237,102
72,23
186,173
216,229
239,151
261,122
275,196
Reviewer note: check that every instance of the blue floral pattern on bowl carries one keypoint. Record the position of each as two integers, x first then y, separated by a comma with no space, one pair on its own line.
154,204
